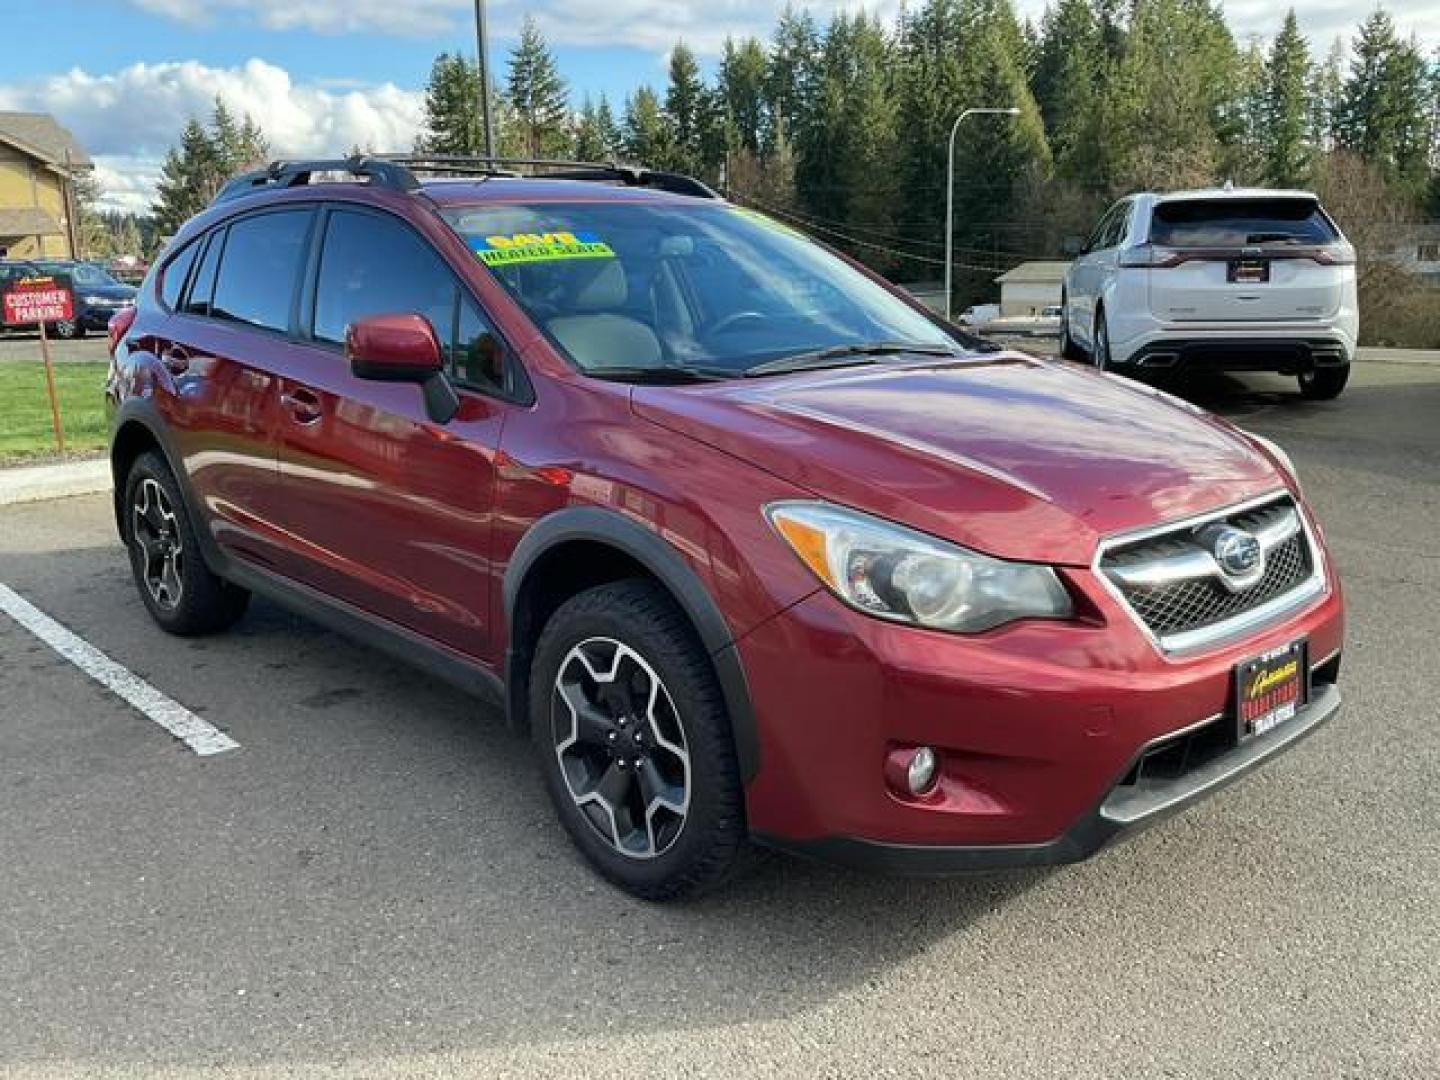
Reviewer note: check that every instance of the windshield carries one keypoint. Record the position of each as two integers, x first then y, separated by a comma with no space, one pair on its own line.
634,287
80,273
1240,223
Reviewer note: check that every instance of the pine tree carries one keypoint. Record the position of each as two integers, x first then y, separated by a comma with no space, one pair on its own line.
1285,131
686,108
538,95
1069,67
452,108
611,135
589,143
741,88
189,179
1327,82
792,77
1385,111
647,134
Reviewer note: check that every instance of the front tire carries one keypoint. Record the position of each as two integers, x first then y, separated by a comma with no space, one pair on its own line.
1324,384
67,329
176,586
1100,351
635,743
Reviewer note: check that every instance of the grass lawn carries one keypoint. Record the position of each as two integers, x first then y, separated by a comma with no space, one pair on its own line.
25,432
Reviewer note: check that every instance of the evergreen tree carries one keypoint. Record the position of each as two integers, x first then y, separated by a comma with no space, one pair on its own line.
189,179
452,108
792,77
1286,128
589,142
538,95
686,109
741,89
1385,111
1327,83
1066,81
647,134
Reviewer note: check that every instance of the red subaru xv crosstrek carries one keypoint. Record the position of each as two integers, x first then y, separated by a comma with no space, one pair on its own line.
754,546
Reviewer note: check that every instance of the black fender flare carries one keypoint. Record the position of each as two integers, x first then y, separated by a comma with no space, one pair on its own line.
663,561
146,414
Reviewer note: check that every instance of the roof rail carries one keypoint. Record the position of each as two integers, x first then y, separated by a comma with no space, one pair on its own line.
397,172
285,174
605,172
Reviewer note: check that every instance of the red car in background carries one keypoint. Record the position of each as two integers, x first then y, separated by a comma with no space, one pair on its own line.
754,547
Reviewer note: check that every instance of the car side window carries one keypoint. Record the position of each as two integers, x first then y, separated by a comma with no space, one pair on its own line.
172,278
374,265
202,289
260,268
1096,241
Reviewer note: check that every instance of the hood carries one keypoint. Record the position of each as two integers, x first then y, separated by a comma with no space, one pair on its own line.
1010,455
109,292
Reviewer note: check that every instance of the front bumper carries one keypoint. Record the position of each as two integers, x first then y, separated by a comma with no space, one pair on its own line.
97,318
1038,727
1127,809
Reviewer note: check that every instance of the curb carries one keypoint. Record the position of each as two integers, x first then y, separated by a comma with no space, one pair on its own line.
36,483
1374,354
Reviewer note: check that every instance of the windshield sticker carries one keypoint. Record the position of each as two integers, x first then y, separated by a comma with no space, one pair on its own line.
503,250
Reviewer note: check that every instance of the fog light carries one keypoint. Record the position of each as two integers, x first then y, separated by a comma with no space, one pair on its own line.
920,774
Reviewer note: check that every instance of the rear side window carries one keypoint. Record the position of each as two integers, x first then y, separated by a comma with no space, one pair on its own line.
261,266
202,289
172,280
1240,223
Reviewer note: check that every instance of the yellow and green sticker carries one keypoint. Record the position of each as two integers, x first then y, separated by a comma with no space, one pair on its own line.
507,250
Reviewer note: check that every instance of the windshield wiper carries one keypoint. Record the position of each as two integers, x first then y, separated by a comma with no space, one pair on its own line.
667,375
845,355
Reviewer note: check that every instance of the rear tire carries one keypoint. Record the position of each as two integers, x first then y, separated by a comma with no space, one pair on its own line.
1324,384
1100,339
635,743
176,586
1069,350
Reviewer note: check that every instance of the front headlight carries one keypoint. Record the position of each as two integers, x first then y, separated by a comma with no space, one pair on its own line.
892,572
1279,454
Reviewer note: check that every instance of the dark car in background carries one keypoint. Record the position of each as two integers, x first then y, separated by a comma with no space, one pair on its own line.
98,295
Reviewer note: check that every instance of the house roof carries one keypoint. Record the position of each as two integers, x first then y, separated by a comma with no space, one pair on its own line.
40,136
1041,272
28,221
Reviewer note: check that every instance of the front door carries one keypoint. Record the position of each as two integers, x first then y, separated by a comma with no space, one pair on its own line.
386,509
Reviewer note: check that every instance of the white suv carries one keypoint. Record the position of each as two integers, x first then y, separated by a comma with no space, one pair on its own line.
1229,279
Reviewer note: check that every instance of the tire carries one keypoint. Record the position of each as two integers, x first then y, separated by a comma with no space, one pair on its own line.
176,586
68,329
1324,384
689,834
1100,352
1069,350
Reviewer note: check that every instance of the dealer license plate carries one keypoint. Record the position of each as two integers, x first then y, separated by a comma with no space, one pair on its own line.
1270,689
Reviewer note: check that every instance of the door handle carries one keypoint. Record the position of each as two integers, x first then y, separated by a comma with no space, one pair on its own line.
303,405
176,360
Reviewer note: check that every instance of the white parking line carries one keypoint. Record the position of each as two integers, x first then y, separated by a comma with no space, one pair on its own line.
204,738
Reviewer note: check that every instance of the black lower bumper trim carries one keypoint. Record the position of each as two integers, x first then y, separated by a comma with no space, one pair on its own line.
1125,810
1289,356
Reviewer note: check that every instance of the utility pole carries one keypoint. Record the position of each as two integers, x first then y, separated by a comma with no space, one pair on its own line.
482,50
950,195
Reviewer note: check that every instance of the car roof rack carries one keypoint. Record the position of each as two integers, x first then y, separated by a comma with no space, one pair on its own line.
398,173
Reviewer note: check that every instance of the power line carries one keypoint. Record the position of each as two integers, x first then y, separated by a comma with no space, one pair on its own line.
856,241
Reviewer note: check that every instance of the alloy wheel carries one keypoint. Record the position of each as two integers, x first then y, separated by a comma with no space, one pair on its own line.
156,531
621,747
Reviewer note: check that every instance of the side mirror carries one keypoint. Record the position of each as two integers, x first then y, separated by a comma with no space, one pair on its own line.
402,348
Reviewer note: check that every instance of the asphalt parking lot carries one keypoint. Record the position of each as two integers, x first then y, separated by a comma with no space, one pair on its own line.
373,884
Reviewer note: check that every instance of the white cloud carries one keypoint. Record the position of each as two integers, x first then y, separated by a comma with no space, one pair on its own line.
127,120
703,24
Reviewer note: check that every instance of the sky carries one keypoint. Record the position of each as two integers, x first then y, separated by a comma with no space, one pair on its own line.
324,75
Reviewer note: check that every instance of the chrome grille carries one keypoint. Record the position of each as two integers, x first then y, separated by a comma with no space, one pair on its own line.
1175,586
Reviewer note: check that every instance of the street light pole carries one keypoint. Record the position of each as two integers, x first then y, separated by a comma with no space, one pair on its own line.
950,195
483,52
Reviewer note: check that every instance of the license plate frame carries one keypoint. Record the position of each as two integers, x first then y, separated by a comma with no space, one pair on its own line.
1269,691
1248,272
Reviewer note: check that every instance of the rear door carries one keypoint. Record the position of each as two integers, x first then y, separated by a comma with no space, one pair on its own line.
386,509
1093,269
225,346
1250,260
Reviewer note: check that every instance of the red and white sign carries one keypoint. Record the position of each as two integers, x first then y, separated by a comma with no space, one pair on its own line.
37,300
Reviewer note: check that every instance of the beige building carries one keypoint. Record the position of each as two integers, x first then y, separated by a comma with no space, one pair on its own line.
1030,288
38,161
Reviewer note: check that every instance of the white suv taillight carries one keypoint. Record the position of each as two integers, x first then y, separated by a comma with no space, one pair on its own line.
1151,255
1340,253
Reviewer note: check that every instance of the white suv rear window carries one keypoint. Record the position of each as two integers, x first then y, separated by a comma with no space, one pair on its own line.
1240,223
